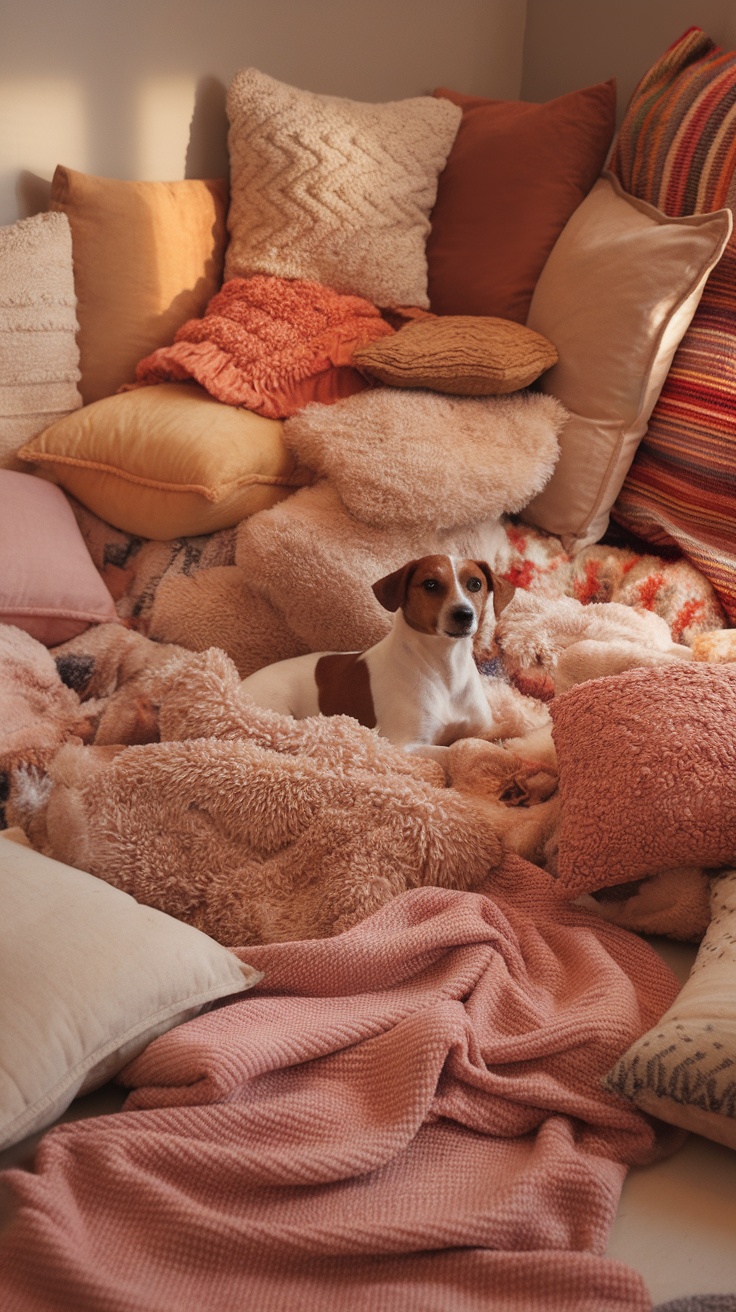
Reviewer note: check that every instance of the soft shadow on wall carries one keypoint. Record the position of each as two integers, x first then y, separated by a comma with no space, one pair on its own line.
206,154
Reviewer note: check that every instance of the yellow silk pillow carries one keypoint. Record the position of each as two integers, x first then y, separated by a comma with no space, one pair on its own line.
167,461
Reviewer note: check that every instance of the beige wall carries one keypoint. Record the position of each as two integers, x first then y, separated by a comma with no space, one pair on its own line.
136,88
575,43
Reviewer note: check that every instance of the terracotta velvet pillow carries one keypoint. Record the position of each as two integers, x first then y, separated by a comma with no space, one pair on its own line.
647,763
514,175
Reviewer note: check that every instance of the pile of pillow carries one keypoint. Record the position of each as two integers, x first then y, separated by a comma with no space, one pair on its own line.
485,223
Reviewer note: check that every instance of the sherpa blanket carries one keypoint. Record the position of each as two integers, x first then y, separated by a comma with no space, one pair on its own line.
407,1117
255,827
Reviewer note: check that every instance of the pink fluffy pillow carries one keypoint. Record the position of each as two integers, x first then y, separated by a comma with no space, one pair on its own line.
647,764
49,585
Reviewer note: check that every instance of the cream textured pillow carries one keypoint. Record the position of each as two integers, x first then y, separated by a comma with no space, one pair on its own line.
88,977
684,1069
167,461
334,190
147,257
615,297
462,354
39,356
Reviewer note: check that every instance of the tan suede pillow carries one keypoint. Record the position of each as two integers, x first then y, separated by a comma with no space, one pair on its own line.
147,257
465,355
167,461
616,297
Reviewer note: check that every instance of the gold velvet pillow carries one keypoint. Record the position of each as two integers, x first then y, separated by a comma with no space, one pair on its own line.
167,461
465,355
147,257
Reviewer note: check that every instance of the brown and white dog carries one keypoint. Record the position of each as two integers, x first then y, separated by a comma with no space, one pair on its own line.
419,686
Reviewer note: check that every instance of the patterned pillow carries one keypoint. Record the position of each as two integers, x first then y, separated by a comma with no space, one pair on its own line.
333,190
684,1069
677,150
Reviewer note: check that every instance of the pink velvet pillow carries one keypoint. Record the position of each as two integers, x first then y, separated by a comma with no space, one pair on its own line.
647,764
48,584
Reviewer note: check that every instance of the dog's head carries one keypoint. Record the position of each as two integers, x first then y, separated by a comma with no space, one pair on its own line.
443,594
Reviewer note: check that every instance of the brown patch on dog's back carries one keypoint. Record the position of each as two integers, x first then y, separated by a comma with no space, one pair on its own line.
344,687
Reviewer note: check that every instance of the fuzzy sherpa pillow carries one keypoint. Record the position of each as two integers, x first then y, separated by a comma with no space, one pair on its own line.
647,763
334,190
454,460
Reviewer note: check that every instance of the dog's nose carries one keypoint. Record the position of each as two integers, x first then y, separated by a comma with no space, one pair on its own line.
463,615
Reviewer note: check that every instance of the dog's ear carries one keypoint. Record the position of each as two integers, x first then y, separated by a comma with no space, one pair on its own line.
391,590
499,589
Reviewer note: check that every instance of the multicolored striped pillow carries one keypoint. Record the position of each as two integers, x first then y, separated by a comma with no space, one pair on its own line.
677,149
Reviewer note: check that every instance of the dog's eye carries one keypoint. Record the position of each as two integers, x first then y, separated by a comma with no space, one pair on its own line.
430,585
474,585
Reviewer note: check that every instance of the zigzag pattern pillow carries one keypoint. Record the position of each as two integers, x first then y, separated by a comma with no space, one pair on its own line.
677,150
332,190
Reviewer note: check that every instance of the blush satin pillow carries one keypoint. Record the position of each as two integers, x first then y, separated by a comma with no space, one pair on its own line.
514,175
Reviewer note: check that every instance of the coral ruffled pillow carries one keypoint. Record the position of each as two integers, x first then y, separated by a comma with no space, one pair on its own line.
271,345
333,190
647,763
514,175
465,355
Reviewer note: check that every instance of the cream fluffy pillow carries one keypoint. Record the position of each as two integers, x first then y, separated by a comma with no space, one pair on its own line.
684,1069
39,356
88,976
615,297
334,190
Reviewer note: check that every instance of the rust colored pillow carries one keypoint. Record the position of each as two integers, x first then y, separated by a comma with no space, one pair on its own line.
515,174
647,763
465,355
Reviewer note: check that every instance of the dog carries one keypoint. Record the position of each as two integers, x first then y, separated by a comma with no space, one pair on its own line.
419,686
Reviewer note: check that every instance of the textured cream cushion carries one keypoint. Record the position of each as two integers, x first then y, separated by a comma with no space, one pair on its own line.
334,190
615,297
147,257
88,977
167,461
462,354
39,356
684,1069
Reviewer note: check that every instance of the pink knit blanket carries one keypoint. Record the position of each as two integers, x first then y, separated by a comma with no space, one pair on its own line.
408,1116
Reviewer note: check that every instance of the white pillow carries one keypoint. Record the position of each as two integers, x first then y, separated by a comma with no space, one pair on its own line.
88,976
336,191
615,298
684,1069
39,356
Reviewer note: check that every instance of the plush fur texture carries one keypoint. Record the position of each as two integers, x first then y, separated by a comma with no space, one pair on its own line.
258,828
550,644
